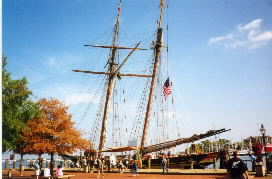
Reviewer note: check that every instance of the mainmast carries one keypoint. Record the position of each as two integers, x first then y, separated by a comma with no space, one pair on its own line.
157,55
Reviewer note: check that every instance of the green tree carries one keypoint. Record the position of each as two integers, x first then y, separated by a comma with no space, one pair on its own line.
223,142
238,145
17,109
206,144
28,111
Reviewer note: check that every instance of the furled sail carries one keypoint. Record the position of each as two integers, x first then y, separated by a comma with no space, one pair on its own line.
174,143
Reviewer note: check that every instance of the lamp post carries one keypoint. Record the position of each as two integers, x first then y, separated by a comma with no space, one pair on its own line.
263,131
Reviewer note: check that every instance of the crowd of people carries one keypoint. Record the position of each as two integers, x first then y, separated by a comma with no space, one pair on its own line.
101,164
236,168
90,164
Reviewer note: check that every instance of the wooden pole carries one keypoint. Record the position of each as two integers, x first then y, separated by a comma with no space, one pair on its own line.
21,165
119,74
123,48
52,164
111,83
157,54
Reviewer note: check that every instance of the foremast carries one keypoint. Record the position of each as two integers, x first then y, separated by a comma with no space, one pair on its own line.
112,73
157,56
111,81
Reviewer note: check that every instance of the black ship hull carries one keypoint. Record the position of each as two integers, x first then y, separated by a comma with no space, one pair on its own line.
197,161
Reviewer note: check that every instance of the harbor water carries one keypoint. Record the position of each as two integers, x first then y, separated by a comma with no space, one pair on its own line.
27,160
245,158
26,163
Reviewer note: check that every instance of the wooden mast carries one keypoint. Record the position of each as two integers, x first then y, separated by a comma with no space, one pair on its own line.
157,55
111,82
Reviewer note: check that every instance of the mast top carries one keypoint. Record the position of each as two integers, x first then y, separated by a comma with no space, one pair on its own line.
161,13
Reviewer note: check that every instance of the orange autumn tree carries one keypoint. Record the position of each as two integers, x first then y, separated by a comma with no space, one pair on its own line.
53,132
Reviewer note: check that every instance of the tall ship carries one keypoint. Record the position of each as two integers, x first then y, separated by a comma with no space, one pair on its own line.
150,130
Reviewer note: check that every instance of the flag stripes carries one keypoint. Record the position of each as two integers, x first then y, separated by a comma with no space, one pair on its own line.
167,88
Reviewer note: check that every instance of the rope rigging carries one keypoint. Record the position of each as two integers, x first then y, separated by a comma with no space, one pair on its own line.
97,124
89,105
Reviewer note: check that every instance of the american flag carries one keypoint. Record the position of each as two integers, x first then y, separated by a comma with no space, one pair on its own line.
166,88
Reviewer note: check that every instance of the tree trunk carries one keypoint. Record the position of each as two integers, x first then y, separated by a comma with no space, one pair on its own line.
51,164
21,165
40,161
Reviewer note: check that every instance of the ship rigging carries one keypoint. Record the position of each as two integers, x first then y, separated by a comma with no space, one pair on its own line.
114,72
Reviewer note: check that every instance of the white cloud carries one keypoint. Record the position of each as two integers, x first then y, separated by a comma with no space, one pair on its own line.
236,44
78,98
220,38
62,62
258,37
250,36
52,61
69,94
255,24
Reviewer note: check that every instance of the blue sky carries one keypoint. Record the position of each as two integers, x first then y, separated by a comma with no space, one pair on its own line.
219,56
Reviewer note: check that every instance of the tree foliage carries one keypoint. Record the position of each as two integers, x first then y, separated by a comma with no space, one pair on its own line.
29,110
53,131
207,145
17,109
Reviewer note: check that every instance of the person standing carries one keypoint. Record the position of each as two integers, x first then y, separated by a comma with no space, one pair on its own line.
236,168
131,167
126,163
120,166
135,168
164,165
224,157
257,148
253,161
169,154
84,164
92,161
99,167
108,163
36,170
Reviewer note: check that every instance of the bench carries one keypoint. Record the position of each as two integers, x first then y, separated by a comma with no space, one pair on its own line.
64,176
50,177
41,177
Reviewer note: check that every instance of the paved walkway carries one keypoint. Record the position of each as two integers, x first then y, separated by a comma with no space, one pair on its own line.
143,174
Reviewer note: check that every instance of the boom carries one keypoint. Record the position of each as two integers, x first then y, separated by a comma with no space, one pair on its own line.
174,143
